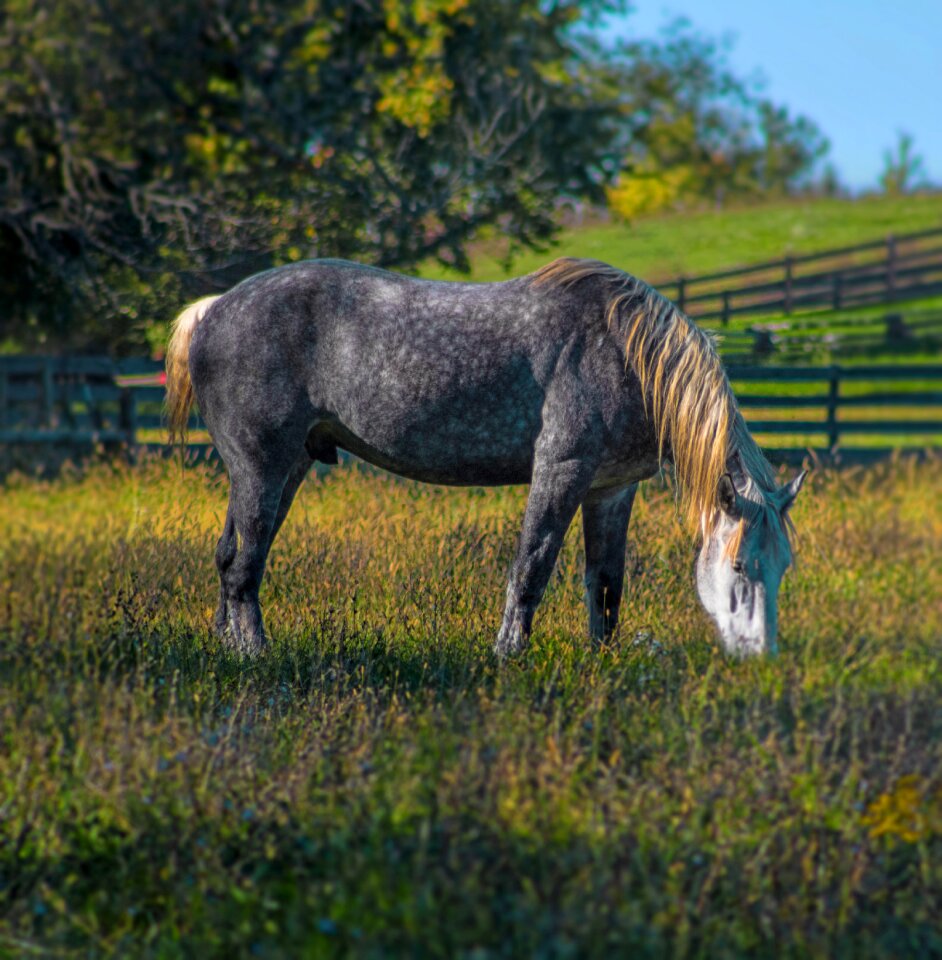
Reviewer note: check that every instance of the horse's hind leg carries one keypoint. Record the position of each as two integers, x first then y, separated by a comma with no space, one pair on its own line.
256,488
225,554
228,542
605,518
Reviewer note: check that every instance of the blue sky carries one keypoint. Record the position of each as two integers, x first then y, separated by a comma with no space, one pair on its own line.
861,69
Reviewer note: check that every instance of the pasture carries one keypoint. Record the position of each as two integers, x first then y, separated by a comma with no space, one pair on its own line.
694,242
377,784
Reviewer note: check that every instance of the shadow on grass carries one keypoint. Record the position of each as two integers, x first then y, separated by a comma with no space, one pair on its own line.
360,881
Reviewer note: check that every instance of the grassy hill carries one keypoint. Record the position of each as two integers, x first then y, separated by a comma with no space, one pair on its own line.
663,247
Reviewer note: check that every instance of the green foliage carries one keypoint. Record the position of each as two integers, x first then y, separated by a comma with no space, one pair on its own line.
903,168
696,132
143,144
377,785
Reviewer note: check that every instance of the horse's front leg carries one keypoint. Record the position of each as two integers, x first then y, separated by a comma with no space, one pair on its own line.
556,489
605,517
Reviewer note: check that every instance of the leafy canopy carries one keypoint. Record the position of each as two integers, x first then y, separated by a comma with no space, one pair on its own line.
695,131
145,145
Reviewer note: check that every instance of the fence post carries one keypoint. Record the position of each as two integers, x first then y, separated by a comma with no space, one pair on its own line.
890,265
762,342
48,394
896,329
788,284
681,293
834,385
725,317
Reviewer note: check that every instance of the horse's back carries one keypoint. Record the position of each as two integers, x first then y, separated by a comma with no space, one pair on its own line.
438,380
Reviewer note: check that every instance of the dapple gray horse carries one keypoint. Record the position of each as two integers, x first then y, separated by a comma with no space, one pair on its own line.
578,379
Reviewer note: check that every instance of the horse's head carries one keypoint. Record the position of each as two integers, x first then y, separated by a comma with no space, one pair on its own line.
741,564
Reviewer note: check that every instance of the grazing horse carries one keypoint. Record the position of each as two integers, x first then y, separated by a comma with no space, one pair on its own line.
578,379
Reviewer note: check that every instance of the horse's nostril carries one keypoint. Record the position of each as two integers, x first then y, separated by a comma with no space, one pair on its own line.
733,601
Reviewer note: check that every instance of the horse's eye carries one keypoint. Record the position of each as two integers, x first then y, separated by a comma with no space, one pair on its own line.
737,566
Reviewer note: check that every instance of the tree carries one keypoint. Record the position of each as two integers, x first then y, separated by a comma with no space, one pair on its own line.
695,131
143,145
903,168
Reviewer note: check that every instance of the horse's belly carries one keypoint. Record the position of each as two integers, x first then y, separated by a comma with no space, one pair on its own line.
453,440
438,456
454,413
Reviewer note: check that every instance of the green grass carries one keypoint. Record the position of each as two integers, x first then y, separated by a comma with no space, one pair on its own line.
663,247
378,785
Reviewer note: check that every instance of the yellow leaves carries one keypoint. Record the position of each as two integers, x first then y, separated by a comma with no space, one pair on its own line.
426,13
418,93
553,72
674,168
393,10
218,152
316,45
649,191
403,16
908,811
222,87
417,96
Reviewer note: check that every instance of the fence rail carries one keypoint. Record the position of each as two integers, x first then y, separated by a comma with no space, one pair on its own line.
883,388
899,267
89,401
844,337
64,400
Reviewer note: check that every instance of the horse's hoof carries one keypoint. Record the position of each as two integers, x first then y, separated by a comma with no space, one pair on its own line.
511,643
245,640
249,649
241,646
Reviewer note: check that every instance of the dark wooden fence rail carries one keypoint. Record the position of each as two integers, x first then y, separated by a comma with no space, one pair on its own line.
916,389
899,267
92,400
844,337
64,399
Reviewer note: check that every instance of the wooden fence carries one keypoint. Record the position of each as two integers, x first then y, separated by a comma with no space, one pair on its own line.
73,400
900,267
82,401
819,408
804,340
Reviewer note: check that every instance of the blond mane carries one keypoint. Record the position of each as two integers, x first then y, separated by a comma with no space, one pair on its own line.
684,387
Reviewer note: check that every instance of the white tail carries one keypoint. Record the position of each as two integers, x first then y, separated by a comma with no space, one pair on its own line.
180,395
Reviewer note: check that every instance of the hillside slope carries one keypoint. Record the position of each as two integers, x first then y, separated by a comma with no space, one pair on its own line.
663,247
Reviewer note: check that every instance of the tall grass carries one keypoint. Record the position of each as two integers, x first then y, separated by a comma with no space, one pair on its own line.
377,784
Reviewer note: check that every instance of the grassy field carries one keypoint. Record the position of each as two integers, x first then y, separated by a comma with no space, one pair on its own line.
662,247
378,785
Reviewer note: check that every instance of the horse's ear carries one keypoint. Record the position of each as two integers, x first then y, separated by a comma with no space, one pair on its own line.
726,495
789,492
